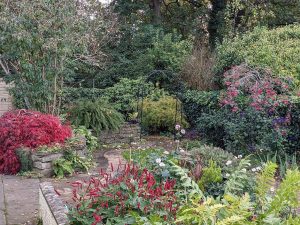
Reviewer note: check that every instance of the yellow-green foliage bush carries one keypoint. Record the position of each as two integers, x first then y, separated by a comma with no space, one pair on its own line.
159,115
211,174
277,49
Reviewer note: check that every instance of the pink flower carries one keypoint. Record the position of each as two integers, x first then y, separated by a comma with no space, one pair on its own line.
235,109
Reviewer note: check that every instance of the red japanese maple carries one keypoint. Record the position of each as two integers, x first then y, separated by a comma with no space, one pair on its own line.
22,128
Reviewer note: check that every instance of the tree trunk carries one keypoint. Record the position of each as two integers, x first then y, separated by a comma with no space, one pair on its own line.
155,5
216,21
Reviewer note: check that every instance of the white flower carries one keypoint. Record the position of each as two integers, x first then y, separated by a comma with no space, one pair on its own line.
166,153
182,131
229,162
235,157
158,160
244,170
272,189
240,156
258,168
227,175
253,169
161,164
181,150
177,141
177,127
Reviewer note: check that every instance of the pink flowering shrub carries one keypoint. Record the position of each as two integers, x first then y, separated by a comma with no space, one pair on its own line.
260,90
255,113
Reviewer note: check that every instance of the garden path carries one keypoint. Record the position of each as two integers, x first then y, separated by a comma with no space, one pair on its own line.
18,200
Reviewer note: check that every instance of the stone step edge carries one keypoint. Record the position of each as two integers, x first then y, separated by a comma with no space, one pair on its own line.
52,209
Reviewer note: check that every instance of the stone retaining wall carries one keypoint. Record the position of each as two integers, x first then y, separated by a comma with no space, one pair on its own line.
51,208
42,162
126,134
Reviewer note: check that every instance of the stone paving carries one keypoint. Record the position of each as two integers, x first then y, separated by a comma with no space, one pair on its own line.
18,200
2,205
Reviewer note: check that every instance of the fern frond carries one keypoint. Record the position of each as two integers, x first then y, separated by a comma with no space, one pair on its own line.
293,221
238,178
200,213
235,211
232,220
237,206
264,181
187,182
287,193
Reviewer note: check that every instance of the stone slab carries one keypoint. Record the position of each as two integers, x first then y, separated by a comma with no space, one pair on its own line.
2,204
21,197
42,166
46,158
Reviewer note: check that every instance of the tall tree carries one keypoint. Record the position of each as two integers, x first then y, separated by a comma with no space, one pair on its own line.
42,41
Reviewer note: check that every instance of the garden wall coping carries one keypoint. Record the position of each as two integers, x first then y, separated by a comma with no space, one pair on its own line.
51,208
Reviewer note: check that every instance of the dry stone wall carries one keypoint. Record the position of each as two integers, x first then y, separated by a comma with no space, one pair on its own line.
5,99
127,133
42,162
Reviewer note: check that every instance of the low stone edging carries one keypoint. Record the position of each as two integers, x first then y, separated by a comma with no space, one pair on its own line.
51,208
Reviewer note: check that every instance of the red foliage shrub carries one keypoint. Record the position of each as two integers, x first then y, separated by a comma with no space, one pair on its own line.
30,129
110,199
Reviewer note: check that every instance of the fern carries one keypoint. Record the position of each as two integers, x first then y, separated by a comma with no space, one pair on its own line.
96,115
231,210
235,219
186,181
200,213
287,193
264,181
238,205
293,221
238,179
